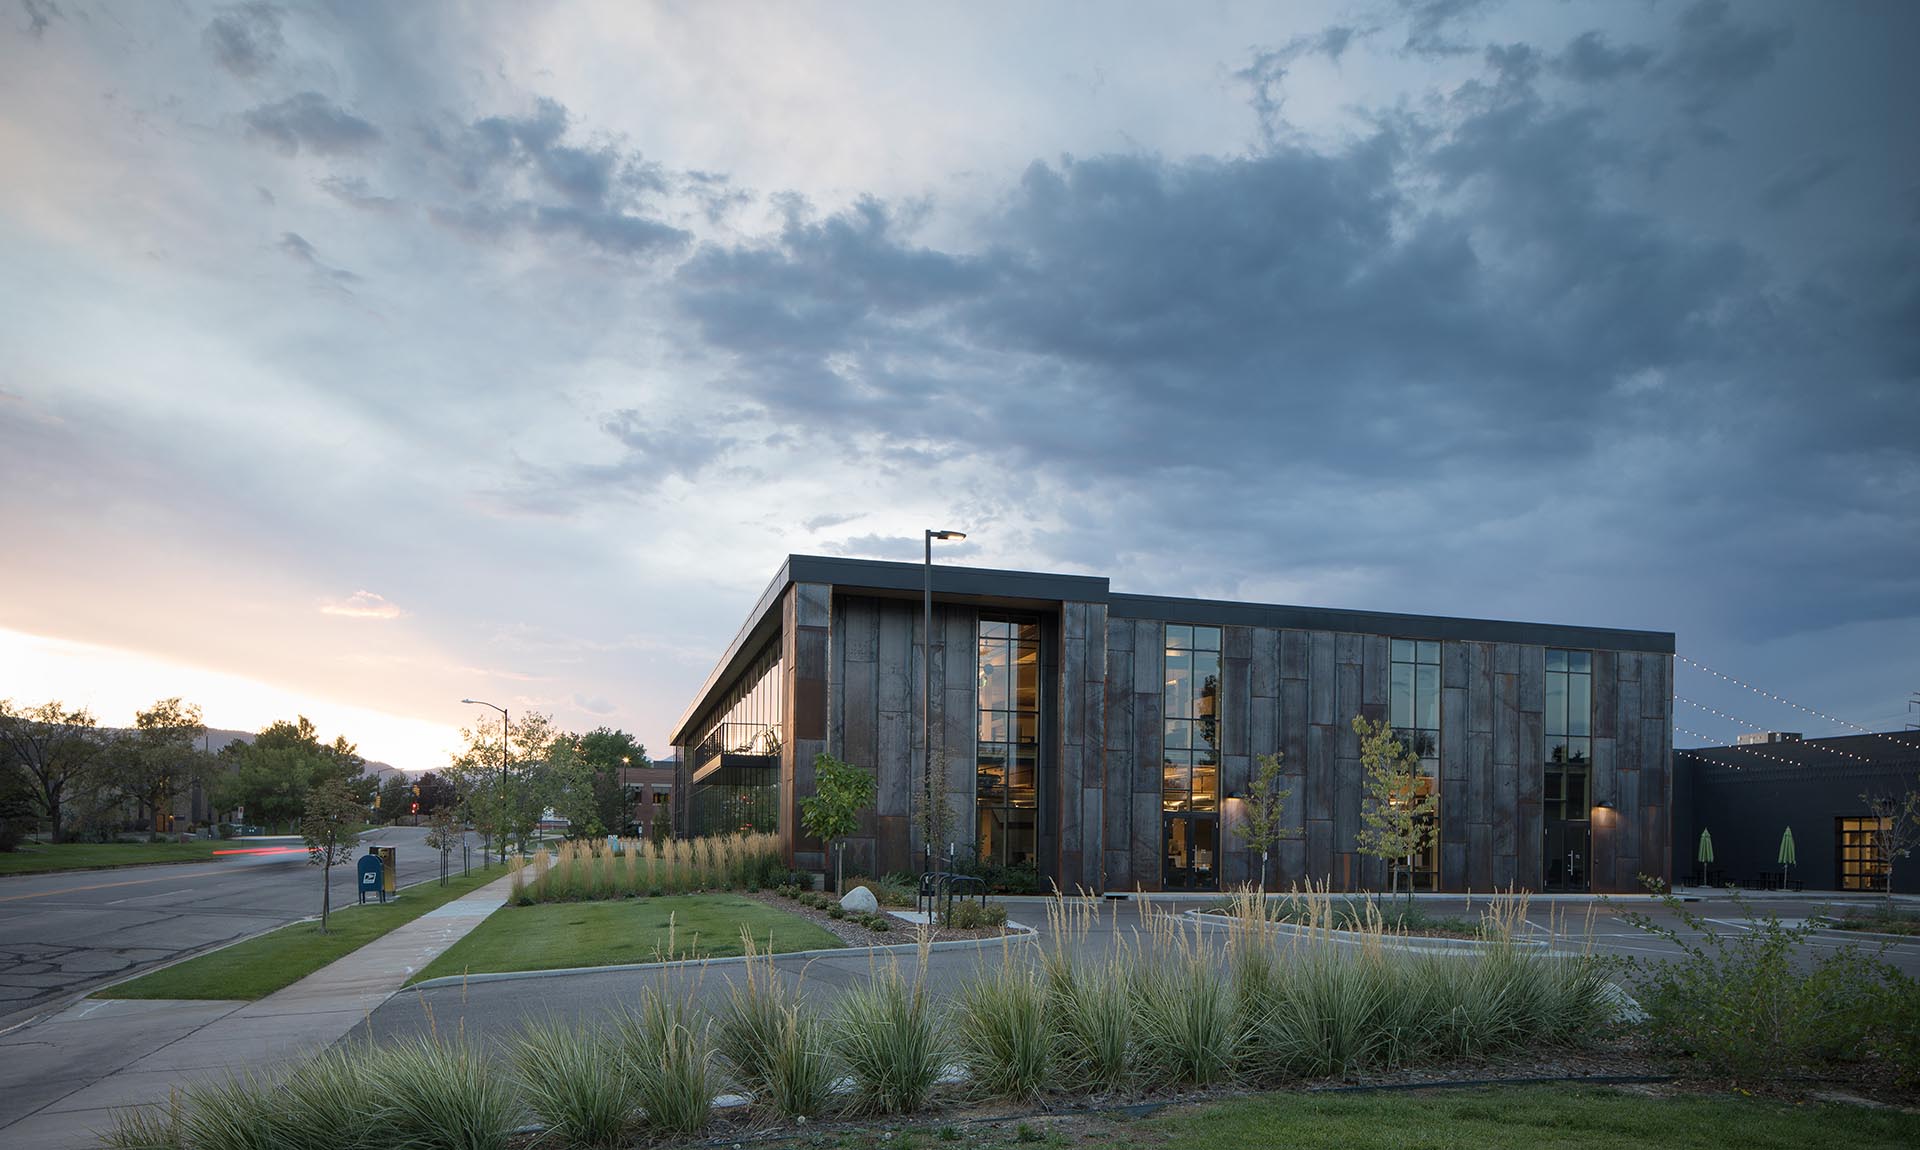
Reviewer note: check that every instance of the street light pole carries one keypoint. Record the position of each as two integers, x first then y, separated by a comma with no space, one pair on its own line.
503,773
926,696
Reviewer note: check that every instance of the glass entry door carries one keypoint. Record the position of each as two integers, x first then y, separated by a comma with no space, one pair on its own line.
1568,847
1188,852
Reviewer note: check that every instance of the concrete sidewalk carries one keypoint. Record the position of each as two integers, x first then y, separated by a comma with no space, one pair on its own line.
184,1041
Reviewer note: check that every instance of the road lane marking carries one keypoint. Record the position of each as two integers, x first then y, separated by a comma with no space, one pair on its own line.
109,885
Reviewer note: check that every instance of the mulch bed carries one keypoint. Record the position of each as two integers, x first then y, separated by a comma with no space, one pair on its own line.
853,934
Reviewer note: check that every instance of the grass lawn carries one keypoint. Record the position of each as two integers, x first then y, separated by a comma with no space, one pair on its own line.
552,935
1879,919
259,966
33,858
1520,1118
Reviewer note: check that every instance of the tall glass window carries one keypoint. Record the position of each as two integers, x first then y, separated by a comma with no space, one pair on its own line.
1008,768
1857,841
1568,723
1413,709
736,764
1190,771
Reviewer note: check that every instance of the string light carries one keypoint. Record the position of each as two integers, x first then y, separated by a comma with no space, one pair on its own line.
1723,762
1824,747
1796,706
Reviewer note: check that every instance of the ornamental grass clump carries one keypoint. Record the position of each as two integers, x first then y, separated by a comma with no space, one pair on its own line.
574,1082
889,1038
774,1041
1002,1031
1186,1030
443,1096
1090,1007
668,1053
145,1128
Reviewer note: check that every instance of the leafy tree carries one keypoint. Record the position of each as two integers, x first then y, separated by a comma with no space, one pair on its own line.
662,829
59,751
589,779
270,777
1263,820
395,797
510,807
435,791
1896,828
327,824
16,806
159,757
1396,807
840,792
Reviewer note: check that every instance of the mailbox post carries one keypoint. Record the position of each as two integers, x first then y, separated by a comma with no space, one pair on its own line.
372,876
389,872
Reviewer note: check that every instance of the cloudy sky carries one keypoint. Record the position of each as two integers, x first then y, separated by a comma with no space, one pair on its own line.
357,358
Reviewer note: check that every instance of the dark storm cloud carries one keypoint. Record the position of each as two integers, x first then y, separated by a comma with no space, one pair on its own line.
1182,336
245,39
1786,188
309,120
1715,55
1434,26
1591,59
601,194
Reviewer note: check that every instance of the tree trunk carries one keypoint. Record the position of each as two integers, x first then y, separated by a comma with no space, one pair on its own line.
326,888
52,797
1263,872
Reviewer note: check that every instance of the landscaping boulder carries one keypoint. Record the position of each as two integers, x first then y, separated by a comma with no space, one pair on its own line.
860,900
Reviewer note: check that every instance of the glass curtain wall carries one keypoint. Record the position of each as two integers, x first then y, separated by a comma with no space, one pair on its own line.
1565,792
1860,864
1190,766
1414,711
741,794
1007,770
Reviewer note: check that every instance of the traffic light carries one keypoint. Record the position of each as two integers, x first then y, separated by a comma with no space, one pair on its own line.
416,808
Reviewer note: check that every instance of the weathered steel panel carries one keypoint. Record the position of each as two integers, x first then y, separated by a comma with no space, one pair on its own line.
1318,799
1346,802
1606,695
1455,804
1073,622
1289,864
1506,720
1265,683
1480,688
1506,658
1149,658
1236,643
1320,850
1627,725
1479,778
860,717
1120,795
893,661
894,762
1453,733
1533,680
1529,834
1604,775
1346,648
1453,863
1235,704
1453,664
1320,678
1119,633
1346,705
1376,671
1264,721
1073,696
1293,723
1294,654
1531,756
1149,740
1480,856
1146,841
862,626
813,604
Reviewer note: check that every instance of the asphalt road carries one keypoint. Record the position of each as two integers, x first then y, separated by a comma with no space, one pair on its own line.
63,933
492,1011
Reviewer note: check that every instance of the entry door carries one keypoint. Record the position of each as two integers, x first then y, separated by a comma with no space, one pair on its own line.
1189,852
1567,852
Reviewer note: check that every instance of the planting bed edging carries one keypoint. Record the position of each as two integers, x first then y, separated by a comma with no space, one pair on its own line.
1015,933
1389,940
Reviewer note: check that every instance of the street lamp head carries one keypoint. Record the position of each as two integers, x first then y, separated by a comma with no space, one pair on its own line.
466,700
948,534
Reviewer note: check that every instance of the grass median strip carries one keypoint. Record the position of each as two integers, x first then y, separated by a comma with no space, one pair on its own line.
557,935
259,966
44,858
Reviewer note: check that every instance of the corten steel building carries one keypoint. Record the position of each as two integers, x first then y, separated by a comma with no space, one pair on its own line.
1107,740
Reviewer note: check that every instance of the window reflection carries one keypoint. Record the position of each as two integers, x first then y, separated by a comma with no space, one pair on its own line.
1413,710
1008,762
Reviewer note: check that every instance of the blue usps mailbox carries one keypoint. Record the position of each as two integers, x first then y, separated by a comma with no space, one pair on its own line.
371,872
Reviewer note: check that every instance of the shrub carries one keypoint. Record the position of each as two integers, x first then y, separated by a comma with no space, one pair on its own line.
1752,1004
836,911
670,1058
888,1037
572,1080
1003,1033
975,916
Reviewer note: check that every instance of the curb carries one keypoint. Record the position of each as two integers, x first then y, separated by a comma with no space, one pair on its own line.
1415,943
1016,933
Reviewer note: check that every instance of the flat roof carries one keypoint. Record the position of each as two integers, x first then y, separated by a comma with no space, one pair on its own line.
992,586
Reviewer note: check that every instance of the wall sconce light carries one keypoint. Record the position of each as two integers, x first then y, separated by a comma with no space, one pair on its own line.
1603,805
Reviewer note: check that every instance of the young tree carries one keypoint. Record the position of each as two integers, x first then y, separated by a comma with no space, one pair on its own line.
1263,822
58,750
327,825
840,792
1396,806
1896,829
159,757
662,828
510,806
445,834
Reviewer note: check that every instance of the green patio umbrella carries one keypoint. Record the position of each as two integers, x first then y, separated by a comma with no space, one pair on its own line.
1705,854
1787,858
